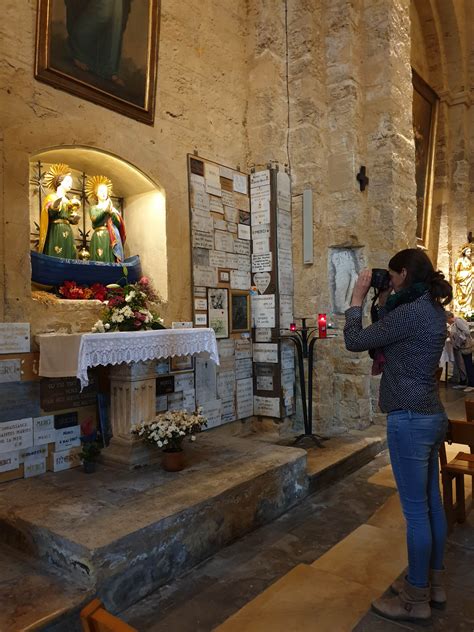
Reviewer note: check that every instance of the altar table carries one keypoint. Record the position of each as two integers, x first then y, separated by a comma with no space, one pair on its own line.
132,376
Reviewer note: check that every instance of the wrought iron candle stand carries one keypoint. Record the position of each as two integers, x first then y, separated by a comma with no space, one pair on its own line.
304,339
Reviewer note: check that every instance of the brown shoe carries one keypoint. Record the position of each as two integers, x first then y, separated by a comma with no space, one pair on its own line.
438,592
411,604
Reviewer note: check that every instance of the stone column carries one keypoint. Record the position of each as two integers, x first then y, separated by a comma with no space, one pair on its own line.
132,401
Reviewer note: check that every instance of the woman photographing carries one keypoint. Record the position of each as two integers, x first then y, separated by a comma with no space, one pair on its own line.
408,339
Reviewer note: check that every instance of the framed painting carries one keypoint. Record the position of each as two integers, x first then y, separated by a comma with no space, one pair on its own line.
425,116
218,311
105,52
239,311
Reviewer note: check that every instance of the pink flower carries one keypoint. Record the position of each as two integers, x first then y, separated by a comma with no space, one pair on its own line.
144,281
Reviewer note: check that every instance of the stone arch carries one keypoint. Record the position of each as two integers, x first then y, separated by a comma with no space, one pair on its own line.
144,203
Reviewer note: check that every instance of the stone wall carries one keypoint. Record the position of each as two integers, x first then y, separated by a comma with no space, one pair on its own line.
201,104
323,86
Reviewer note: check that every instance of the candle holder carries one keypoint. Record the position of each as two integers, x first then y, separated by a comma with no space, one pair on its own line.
304,339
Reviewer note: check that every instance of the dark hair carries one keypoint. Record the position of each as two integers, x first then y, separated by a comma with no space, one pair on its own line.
420,270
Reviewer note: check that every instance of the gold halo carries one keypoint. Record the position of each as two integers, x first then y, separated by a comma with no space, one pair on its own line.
55,174
94,182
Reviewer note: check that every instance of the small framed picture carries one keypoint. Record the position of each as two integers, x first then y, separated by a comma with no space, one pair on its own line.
224,276
239,311
181,363
218,311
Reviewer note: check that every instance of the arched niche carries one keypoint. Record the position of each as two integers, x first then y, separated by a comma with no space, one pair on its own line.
143,202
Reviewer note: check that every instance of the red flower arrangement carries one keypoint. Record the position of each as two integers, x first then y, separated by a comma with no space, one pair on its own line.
71,290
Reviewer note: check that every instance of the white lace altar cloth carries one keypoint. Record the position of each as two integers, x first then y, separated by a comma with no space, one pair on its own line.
138,346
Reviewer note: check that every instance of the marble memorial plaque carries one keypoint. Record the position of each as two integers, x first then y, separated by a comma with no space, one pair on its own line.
203,240
266,406
260,178
262,263
243,368
9,461
242,247
262,280
239,280
243,349
263,310
220,224
10,370
161,404
34,467
67,438
223,241
231,214
206,380
263,334
203,275
240,182
244,393
184,382
44,431
66,459
35,452
211,409
265,352
225,385
16,435
14,337
228,411
215,205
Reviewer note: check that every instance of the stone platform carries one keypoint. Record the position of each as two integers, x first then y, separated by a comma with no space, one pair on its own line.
121,534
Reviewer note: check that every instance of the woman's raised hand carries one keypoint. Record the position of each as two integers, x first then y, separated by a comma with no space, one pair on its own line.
361,288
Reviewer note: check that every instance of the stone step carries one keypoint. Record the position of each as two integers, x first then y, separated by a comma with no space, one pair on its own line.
122,534
32,596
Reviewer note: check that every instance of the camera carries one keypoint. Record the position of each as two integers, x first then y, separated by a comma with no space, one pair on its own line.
380,279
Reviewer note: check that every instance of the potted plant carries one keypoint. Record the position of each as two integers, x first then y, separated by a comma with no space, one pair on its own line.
168,431
89,455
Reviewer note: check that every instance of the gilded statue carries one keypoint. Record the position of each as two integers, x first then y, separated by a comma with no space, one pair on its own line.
464,282
109,236
58,213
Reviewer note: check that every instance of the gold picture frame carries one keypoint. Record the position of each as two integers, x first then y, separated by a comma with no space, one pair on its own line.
101,57
425,121
239,309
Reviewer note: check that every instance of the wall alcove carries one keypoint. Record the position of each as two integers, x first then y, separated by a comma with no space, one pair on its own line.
141,201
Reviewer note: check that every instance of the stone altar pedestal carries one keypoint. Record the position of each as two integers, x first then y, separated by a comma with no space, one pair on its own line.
132,401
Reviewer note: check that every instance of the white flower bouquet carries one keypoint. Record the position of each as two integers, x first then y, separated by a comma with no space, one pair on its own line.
168,430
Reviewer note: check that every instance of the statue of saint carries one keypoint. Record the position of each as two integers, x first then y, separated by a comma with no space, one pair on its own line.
464,282
58,212
109,229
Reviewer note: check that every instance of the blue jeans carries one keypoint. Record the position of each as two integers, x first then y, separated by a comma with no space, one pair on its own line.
413,442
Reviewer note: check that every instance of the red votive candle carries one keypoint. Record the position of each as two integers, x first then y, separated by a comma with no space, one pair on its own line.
322,325
292,326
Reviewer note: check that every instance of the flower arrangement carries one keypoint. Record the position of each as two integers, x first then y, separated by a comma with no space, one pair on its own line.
71,290
168,430
129,308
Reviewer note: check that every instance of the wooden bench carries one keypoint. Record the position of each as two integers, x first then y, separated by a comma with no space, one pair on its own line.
95,618
459,431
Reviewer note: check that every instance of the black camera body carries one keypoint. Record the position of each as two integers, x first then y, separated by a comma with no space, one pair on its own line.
380,279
